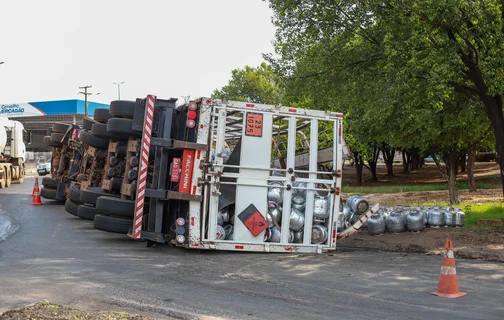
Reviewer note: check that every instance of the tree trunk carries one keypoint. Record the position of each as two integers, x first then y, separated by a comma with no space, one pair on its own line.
451,166
372,164
388,156
462,161
415,161
359,165
471,156
372,168
449,173
406,158
493,108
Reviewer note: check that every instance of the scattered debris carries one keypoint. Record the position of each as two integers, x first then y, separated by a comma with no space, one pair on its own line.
46,310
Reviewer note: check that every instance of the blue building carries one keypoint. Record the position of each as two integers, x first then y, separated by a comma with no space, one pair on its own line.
37,117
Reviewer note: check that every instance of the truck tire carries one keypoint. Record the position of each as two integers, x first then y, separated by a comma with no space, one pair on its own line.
58,137
22,174
87,123
90,195
60,127
93,141
100,130
112,224
9,176
3,181
102,115
50,183
71,207
74,194
115,207
122,108
116,183
86,212
48,193
122,127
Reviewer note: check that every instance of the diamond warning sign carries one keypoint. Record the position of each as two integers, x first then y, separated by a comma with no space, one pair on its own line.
253,220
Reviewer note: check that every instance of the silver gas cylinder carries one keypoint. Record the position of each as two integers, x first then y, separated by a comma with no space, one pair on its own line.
220,233
376,224
299,202
273,213
229,232
302,186
423,213
358,204
414,221
223,216
435,218
272,235
296,220
321,208
298,236
395,222
459,219
274,192
449,217
220,219
319,234
291,236
346,212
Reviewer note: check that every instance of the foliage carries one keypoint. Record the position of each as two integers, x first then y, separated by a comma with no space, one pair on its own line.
252,84
407,74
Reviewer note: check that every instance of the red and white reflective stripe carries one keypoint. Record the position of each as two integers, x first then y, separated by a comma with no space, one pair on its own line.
146,141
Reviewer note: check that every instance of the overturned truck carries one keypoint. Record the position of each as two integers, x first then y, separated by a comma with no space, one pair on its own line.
213,175
206,178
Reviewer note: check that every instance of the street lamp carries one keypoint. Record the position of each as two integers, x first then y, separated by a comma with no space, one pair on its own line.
119,89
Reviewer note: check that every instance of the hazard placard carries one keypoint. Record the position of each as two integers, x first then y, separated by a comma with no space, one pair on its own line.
254,125
253,220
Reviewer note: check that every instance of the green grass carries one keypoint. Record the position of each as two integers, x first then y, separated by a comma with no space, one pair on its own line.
474,212
412,188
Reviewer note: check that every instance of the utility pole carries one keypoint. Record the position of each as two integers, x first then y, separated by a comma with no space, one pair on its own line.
86,94
119,89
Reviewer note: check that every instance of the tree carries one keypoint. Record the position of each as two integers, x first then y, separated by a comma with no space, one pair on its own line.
405,62
454,44
252,84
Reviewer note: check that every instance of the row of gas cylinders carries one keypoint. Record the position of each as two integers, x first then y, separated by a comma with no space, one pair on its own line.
274,216
400,218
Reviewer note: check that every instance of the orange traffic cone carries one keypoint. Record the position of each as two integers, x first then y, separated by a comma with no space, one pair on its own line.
36,187
448,282
36,199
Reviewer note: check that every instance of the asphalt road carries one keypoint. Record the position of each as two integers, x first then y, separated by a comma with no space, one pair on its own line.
57,257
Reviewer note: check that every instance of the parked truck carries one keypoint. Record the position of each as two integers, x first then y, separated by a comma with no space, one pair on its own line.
13,140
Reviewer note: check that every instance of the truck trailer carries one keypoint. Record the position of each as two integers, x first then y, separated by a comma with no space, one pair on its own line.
203,176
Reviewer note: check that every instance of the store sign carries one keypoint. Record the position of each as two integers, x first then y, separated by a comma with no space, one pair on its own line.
19,110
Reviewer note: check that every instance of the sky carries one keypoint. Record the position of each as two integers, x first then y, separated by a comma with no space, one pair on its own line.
169,48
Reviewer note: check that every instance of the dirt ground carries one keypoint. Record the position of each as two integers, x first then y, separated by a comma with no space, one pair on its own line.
487,172
484,244
49,311
413,198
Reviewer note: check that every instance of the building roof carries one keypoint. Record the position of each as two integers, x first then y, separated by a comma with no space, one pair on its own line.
49,108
